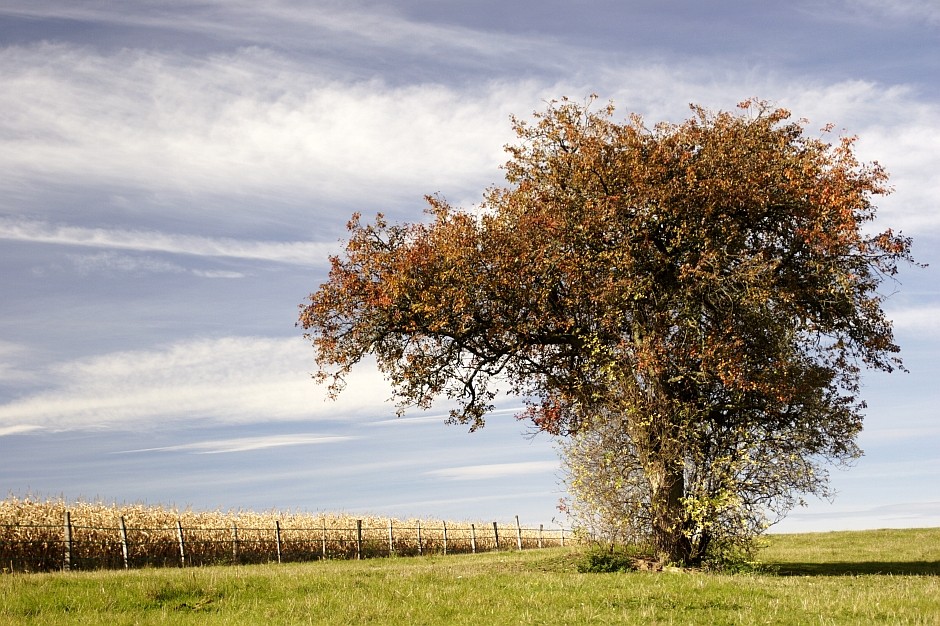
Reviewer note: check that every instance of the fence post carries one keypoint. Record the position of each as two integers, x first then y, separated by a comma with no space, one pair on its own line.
67,541
179,535
124,549
234,543
359,539
69,559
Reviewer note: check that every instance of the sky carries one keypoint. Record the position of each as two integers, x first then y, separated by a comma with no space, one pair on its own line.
174,175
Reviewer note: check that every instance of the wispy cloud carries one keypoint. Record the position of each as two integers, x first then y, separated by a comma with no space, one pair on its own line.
253,121
334,28
494,470
18,429
913,434
920,320
110,262
230,379
246,444
895,515
918,11
900,470
123,263
37,231
218,274
874,14
440,417
13,368
249,121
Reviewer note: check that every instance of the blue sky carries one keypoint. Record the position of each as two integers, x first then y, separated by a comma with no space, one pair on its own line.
173,176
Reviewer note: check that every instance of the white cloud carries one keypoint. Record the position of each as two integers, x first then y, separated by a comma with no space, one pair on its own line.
296,252
334,28
874,14
322,24
113,262
253,121
245,444
12,363
918,11
18,429
245,122
218,274
226,380
912,434
923,321
442,417
845,517
494,470
904,470
897,130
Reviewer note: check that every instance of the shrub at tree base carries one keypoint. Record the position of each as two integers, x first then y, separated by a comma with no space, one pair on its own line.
690,304
600,561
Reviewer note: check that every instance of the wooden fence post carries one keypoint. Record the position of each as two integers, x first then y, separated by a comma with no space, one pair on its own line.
69,559
179,536
67,541
124,549
234,543
359,539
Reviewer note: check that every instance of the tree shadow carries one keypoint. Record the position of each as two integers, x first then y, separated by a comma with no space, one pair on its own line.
857,568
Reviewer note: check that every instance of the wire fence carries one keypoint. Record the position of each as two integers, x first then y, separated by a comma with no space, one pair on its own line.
32,547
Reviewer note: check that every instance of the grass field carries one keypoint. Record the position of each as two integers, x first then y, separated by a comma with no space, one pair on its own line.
875,577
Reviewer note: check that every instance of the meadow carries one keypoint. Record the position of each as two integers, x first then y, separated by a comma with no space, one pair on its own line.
870,577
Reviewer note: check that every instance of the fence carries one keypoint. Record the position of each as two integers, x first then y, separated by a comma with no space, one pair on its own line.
68,546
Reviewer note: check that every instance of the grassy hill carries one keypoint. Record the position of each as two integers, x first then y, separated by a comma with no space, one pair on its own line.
872,577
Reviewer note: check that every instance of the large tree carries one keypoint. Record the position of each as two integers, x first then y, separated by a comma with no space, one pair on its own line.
704,294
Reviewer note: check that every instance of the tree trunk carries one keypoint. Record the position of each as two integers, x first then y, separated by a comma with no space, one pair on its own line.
668,516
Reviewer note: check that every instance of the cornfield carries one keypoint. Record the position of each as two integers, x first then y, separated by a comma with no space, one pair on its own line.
38,536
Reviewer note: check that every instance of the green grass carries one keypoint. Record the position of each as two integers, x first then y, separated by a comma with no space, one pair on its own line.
881,577
898,552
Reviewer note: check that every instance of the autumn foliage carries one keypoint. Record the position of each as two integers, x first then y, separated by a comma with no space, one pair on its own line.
700,298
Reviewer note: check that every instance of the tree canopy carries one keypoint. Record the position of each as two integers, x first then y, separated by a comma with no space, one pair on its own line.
702,295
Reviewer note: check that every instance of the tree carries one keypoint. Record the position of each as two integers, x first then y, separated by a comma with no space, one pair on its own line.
704,294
